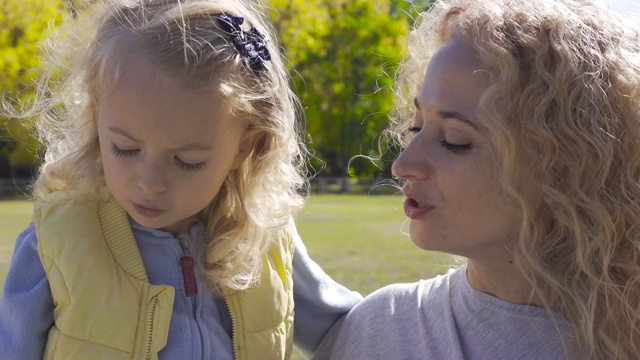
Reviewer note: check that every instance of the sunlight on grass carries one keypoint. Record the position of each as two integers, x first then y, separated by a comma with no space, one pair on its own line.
357,239
14,217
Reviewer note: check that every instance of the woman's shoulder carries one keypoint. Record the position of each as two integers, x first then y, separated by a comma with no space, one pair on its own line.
413,291
395,299
392,322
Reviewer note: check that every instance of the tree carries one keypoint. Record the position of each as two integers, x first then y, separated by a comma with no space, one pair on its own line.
345,52
23,25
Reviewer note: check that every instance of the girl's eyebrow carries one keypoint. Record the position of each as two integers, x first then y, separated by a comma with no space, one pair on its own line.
186,147
193,147
444,114
123,132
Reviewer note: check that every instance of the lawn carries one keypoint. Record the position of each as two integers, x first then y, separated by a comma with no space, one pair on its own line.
14,217
360,240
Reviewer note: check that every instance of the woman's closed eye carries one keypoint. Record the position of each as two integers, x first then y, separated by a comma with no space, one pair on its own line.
414,130
410,133
447,145
454,148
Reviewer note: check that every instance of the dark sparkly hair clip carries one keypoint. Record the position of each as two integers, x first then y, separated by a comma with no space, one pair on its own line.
250,44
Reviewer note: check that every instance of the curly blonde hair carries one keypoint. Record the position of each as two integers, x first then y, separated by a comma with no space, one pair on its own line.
183,41
563,117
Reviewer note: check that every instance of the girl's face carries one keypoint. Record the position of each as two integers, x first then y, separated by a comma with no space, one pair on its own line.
453,198
166,151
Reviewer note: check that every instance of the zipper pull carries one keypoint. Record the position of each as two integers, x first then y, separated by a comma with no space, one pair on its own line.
187,264
188,276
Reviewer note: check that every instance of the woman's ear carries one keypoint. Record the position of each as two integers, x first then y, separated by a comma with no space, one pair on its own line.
248,143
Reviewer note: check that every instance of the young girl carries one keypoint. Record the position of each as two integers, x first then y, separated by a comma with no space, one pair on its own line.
162,225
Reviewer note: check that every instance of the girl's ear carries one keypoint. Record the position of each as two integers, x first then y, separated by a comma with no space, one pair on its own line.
248,143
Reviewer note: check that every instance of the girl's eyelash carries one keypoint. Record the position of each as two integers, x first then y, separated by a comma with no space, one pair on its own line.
189,167
454,148
183,165
121,152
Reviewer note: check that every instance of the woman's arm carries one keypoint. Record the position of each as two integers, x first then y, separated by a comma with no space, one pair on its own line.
319,300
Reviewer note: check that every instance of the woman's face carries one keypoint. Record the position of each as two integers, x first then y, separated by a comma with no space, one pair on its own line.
453,198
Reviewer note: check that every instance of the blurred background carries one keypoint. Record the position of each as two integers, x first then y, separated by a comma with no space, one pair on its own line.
342,55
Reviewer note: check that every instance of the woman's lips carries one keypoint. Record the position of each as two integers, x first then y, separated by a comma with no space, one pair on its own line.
413,210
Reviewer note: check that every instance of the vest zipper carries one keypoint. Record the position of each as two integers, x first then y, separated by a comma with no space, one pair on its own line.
187,264
234,341
152,311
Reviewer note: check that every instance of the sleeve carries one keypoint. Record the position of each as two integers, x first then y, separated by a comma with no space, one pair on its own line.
372,330
26,305
319,300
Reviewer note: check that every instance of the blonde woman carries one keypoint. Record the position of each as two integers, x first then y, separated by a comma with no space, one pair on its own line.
163,226
520,123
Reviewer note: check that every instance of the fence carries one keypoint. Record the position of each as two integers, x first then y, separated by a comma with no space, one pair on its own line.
15,188
351,185
19,188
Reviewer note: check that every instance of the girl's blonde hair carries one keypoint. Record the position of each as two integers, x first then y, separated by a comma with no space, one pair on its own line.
184,41
563,117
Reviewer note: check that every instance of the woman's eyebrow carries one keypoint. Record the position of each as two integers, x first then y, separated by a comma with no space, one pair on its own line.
451,114
458,116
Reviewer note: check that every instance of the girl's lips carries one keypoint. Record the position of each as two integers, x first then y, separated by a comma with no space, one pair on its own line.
413,210
146,211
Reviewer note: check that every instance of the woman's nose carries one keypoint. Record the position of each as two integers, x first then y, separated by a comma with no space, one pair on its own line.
411,163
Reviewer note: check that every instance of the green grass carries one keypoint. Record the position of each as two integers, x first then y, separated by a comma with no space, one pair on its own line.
357,239
14,217
361,241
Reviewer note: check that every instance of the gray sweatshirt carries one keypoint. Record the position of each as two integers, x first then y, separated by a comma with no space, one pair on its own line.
445,318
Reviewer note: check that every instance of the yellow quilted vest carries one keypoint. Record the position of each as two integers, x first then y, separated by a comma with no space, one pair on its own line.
105,307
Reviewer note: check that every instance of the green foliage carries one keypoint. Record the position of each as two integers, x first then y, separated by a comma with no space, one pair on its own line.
345,53
23,25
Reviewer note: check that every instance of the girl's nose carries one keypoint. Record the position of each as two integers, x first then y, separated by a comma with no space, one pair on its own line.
151,178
